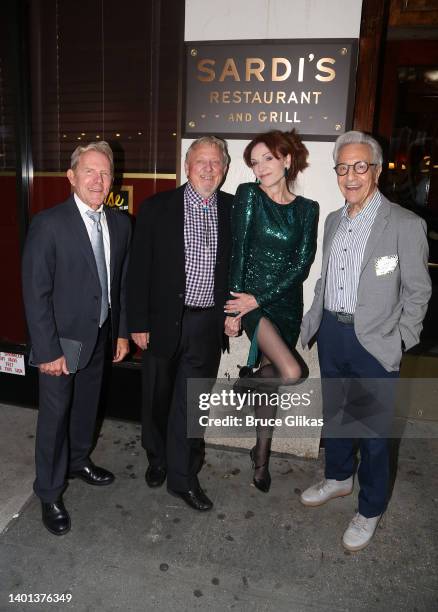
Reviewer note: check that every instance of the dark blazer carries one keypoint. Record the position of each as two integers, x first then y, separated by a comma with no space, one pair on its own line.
61,287
156,277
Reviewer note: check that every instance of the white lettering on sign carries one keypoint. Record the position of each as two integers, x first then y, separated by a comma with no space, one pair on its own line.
12,363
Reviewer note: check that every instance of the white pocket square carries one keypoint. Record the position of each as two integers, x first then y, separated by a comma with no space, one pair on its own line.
385,264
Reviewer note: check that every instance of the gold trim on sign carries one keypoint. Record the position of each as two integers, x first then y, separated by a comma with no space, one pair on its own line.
15,174
128,175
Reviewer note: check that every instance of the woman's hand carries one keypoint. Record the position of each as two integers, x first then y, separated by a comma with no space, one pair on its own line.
241,304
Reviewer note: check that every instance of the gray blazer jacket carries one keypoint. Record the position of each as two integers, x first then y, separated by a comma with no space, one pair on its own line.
391,301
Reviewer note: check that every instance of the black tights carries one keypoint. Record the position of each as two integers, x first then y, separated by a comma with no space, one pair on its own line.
277,362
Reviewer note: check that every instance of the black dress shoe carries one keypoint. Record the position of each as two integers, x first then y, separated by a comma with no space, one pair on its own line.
196,499
55,517
201,494
155,476
93,475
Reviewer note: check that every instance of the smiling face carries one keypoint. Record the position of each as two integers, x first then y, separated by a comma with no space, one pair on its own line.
357,188
205,169
266,167
91,179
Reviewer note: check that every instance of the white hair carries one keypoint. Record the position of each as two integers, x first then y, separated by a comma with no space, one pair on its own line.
212,141
354,137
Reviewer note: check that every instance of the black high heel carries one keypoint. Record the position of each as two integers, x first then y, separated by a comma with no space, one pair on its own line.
252,380
242,383
262,484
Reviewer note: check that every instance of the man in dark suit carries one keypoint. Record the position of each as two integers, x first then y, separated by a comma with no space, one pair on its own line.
177,287
74,269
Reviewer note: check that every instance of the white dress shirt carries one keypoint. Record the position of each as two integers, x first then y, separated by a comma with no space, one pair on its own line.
89,223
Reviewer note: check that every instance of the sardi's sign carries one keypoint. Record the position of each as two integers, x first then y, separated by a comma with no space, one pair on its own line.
242,88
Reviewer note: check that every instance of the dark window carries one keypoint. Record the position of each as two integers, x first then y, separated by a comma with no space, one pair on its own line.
12,326
7,105
413,161
106,70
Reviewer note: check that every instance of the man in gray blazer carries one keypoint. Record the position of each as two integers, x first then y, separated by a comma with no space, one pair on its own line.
368,307
74,269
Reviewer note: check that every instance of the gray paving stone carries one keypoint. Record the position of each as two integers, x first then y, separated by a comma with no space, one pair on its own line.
137,549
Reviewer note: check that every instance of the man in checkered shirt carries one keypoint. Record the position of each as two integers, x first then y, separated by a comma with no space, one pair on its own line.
177,287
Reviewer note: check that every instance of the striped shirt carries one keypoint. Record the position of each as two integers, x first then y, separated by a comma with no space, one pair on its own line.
346,257
200,244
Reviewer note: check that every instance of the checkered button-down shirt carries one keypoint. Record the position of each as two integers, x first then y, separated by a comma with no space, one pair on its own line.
346,255
200,244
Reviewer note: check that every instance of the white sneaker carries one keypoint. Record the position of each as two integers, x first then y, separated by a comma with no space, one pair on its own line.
359,532
327,489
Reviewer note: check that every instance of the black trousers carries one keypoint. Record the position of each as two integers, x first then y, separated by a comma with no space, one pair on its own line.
66,422
164,414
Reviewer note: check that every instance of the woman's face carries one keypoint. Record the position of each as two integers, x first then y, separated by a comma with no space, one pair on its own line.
267,168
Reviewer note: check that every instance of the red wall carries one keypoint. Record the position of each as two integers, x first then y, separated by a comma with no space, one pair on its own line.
47,191
50,190
12,326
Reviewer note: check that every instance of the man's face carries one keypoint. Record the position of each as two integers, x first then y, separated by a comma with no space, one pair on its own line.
91,179
357,188
205,169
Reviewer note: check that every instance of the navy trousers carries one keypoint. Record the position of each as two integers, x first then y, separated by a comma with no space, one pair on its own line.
342,357
66,422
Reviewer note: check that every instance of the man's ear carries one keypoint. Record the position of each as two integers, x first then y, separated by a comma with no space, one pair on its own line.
378,172
71,177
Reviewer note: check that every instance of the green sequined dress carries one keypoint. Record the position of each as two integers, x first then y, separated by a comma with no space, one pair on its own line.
273,248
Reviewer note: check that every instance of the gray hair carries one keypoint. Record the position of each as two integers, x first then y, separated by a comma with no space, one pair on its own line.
212,141
354,137
101,147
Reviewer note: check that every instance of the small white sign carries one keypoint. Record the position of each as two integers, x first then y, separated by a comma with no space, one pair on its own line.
12,363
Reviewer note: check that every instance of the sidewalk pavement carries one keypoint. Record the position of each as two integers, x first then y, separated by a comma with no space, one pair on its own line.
132,548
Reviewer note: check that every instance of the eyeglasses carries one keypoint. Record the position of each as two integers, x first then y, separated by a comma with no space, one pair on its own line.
359,167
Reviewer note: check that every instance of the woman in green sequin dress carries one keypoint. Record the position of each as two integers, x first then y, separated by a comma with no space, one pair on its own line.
274,244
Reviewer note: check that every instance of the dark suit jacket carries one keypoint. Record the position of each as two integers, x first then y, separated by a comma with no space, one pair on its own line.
61,287
156,277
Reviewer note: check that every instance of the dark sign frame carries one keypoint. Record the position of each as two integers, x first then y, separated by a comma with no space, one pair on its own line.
191,90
